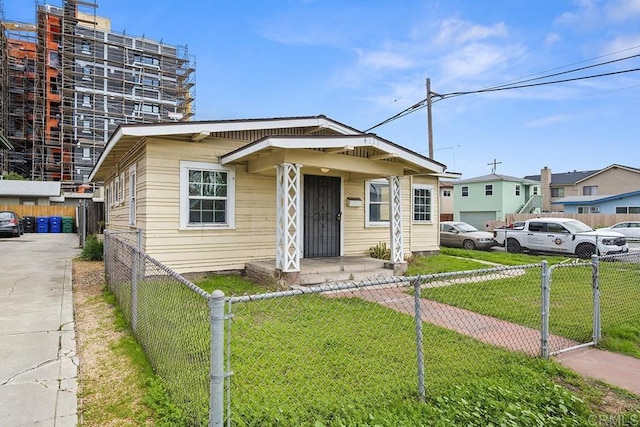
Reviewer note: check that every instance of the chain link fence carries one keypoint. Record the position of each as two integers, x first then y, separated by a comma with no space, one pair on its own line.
337,351
169,317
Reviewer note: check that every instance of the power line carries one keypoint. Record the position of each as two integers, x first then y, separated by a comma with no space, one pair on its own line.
515,85
439,97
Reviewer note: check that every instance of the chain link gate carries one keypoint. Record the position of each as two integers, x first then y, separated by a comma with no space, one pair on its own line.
570,306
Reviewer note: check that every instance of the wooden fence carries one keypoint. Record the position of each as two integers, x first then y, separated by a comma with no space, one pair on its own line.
592,220
34,210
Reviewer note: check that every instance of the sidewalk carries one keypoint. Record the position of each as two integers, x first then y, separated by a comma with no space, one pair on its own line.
38,374
613,368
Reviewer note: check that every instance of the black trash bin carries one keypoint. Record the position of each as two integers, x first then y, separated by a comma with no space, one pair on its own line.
29,224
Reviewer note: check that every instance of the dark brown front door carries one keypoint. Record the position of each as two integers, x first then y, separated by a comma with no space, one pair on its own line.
321,216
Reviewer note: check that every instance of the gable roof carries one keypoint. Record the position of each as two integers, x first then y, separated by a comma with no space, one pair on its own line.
589,200
568,178
564,178
320,133
29,188
497,177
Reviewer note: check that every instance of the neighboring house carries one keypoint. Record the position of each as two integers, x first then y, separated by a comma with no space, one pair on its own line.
215,195
446,201
626,203
612,180
39,193
484,199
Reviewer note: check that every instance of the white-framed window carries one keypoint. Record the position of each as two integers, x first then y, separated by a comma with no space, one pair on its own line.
422,203
132,193
488,190
122,187
588,209
517,190
465,191
107,194
207,195
377,201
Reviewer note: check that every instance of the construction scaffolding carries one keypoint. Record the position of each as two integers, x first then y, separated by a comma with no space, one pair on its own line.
79,80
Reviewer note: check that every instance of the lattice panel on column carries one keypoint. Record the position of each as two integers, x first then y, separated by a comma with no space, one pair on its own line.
287,217
395,192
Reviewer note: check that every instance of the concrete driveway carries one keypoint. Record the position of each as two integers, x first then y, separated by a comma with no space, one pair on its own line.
38,373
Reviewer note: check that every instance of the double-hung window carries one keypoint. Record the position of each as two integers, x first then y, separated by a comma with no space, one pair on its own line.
377,196
207,195
422,203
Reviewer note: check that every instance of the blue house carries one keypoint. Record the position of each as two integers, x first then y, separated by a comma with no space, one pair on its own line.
625,203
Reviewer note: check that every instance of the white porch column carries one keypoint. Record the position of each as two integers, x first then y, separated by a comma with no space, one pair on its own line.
395,220
288,217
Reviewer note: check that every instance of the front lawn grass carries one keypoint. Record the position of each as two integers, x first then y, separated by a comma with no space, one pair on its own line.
318,361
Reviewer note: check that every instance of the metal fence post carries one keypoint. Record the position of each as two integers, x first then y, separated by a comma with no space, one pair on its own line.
135,255
546,290
216,378
597,325
419,350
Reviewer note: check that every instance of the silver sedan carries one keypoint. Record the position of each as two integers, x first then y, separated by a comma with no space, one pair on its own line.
456,234
631,229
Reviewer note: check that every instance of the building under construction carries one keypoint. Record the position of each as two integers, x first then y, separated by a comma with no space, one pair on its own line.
67,81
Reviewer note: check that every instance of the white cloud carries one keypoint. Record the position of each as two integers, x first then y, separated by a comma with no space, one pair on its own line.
475,59
622,10
455,31
551,39
383,60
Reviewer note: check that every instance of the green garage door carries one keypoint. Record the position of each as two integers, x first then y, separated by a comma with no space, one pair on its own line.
477,219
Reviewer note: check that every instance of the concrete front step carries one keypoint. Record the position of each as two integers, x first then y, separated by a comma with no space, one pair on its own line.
344,276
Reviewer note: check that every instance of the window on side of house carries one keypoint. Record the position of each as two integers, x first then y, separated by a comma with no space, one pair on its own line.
588,209
465,191
488,190
590,190
517,190
377,200
122,187
207,195
132,193
422,203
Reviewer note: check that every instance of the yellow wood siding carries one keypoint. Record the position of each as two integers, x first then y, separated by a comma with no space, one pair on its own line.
254,235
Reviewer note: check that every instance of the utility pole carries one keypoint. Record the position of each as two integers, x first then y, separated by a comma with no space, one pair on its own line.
495,164
429,119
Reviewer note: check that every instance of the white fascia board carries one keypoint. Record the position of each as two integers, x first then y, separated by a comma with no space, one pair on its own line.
232,126
331,142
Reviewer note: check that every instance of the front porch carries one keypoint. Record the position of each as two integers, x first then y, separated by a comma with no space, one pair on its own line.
315,271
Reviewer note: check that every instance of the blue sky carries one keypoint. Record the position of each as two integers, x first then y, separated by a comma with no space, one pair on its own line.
360,62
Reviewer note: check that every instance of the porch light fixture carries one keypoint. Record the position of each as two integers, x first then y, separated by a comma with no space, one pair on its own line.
324,170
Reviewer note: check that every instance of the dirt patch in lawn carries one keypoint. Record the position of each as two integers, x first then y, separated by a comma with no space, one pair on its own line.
110,390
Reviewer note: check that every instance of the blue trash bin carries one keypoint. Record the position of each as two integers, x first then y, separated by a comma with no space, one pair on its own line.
42,224
55,224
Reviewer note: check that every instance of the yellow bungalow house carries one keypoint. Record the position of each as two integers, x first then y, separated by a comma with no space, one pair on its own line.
217,195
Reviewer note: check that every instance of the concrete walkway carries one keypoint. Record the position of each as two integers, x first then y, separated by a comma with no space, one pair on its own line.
613,368
38,373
